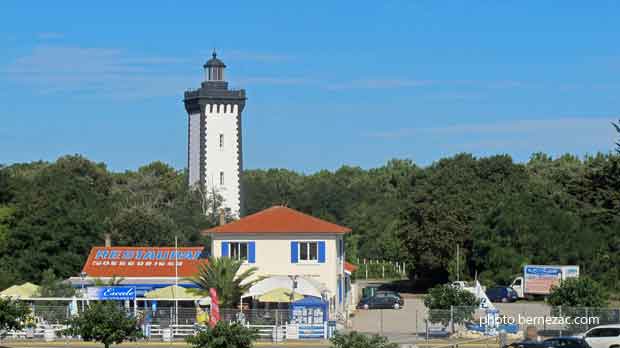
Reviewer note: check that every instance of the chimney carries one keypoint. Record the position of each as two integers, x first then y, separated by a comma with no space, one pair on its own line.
108,240
222,217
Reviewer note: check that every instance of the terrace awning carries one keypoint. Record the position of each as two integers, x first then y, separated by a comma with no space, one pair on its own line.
305,286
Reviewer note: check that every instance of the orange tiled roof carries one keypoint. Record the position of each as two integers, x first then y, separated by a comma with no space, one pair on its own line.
142,261
279,219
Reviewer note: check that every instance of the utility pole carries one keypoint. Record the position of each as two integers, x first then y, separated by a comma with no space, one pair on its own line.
458,269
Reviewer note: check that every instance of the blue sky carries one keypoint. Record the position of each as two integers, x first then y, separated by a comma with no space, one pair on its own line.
328,83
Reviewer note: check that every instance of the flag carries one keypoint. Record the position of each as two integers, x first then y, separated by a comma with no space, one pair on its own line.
215,308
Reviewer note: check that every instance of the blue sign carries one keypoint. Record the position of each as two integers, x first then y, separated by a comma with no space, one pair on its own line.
119,293
543,271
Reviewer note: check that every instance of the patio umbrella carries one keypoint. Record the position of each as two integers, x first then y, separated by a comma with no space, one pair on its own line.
280,295
25,290
172,291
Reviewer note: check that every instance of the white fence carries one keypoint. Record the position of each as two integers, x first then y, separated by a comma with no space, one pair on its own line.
168,324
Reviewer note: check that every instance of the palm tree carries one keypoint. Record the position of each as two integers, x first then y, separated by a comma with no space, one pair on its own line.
222,274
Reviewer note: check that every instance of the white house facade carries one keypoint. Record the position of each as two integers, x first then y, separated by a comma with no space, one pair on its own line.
280,241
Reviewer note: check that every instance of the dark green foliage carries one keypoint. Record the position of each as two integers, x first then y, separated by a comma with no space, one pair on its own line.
369,202
13,314
502,214
222,274
104,322
442,299
355,339
224,335
578,292
55,212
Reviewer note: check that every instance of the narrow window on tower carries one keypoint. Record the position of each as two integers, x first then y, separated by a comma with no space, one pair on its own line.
221,141
221,178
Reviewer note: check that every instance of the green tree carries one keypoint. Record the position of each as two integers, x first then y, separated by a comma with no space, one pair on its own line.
355,339
442,299
578,292
104,322
224,335
59,214
223,275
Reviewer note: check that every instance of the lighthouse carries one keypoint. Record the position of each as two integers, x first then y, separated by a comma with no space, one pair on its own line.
214,152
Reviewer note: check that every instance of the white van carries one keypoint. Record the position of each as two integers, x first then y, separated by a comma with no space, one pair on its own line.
604,336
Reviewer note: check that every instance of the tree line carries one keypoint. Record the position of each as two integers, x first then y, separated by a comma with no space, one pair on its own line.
500,214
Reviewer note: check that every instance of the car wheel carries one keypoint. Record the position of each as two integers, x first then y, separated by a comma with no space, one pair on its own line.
366,306
396,306
504,300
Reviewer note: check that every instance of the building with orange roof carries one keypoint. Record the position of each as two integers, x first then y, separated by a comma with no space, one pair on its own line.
280,241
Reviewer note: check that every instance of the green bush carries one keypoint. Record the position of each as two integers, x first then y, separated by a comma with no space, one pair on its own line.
13,314
224,335
442,298
357,340
578,292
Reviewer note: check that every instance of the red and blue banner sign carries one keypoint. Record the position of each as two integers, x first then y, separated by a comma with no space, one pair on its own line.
143,261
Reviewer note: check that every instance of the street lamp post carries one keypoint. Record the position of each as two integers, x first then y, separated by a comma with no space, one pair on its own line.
83,277
294,285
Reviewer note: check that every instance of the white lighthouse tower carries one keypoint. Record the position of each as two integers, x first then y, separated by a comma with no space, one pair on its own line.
215,157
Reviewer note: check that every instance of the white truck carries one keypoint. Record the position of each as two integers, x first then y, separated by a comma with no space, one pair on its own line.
537,280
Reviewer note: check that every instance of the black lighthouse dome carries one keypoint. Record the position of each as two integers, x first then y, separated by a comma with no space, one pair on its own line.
214,62
214,69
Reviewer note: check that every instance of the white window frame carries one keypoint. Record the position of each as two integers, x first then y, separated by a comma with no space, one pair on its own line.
238,250
308,244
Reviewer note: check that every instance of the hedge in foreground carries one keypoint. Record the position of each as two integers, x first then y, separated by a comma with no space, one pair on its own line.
224,335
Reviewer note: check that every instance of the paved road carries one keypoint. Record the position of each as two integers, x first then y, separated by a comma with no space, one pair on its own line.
409,323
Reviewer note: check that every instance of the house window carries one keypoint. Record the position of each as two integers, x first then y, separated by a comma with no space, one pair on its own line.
221,141
221,178
239,251
308,251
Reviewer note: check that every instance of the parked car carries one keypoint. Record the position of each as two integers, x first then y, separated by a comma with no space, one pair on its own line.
565,342
502,294
525,344
384,293
379,302
604,336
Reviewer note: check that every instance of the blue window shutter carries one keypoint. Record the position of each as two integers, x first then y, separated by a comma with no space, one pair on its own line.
339,290
322,252
225,249
294,251
252,252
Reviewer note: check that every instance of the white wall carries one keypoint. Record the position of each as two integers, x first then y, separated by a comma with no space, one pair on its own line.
273,256
194,149
224,159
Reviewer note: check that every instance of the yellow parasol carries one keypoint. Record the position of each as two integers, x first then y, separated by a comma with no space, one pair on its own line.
25,290
173,291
